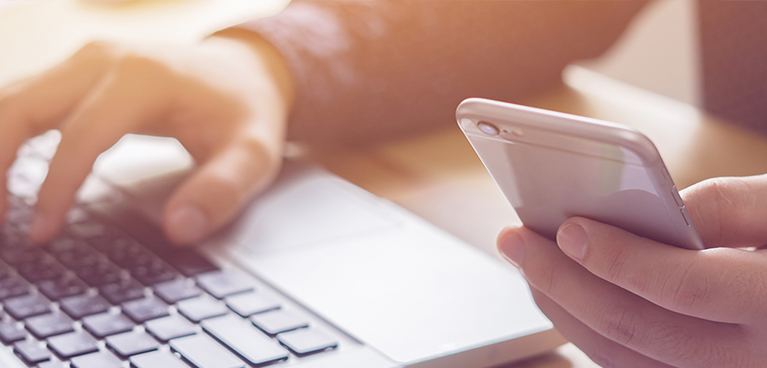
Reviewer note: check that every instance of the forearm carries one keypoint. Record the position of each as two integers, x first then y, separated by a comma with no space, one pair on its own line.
370,70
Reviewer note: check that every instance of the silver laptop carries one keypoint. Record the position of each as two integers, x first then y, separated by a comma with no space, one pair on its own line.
314,273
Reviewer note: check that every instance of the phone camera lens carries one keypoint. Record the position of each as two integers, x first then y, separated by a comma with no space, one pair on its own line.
487,128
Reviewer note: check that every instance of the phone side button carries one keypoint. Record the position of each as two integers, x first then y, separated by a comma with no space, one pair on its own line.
686,215
677,198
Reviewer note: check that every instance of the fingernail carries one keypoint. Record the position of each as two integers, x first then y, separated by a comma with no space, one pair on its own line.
41,228
512,247
572,240
188,224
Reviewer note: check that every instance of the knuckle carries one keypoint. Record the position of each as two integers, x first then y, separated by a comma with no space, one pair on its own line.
619,324
617,269
256,148
263,160
718,202
543,278
132,64
615,260
687,288
674,342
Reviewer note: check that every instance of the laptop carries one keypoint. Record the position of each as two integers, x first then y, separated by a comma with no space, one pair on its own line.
315,272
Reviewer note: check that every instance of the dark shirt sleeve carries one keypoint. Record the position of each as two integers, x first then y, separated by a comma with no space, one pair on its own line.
372,70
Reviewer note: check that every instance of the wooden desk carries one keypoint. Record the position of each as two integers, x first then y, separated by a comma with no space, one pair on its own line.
439,177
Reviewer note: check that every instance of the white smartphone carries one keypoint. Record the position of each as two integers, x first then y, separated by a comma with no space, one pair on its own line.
552,166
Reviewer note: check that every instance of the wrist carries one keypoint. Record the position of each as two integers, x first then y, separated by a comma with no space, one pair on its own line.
262,54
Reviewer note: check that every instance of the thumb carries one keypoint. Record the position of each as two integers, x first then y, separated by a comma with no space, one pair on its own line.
214,194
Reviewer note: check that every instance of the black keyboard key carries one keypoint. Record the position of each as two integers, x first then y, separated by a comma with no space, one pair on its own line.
15,256
62,287
171,327
153,273
19,215
11,239
131,343
188,262
10,332
248,304
13,286
79,259
67,245
115,242
26,306
221,284
128,253
278,321
47,268
122,292
201,308
133,260
142,310
49,325
99,274
102,359
83,305
245,340
106,324
32,352
72,344
203,352
307,341
157,359
173,291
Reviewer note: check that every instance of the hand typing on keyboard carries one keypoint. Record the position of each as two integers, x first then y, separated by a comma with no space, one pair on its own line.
632,302
98,297
225,99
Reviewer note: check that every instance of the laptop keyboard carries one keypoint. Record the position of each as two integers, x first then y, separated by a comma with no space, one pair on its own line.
97,297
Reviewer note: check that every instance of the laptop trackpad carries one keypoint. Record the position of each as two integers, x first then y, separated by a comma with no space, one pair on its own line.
306,207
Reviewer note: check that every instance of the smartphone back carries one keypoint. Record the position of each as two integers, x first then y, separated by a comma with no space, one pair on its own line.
552,166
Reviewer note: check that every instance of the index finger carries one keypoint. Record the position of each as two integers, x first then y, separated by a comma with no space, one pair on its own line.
32,106
721,284
111,110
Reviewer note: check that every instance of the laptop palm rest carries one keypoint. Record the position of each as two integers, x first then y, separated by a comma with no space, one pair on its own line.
393,281
379,273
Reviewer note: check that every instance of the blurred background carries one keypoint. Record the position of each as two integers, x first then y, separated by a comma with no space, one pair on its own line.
659,52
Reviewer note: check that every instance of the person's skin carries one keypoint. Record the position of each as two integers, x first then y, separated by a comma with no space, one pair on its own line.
628,301
226,99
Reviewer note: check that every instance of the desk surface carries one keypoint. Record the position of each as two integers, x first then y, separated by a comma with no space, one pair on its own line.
439,177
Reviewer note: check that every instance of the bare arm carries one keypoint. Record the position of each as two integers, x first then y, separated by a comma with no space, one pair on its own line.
370,70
